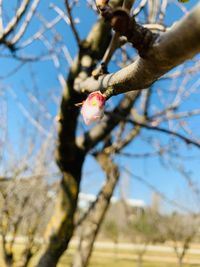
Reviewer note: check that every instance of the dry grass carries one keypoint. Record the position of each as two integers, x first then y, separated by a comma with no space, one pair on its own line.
125,258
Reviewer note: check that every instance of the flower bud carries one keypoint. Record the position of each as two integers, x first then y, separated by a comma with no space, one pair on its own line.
93,107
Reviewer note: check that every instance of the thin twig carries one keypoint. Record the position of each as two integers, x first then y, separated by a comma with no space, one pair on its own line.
152,187
38,34
163,10
139,7
166,131
25,24
158,129
75,32
14,22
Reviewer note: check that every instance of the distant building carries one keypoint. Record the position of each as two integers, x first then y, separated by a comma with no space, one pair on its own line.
155,202
84,201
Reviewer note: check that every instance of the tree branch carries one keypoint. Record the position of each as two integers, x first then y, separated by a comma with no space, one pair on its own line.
13,23
74,30
172,48
25,24
166,131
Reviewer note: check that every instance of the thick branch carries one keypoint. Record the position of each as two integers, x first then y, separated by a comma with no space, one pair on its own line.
172,48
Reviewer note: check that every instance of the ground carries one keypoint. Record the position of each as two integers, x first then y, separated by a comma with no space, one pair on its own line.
110,255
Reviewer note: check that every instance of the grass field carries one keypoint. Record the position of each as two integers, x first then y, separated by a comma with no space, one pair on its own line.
128,258
108,257
104,261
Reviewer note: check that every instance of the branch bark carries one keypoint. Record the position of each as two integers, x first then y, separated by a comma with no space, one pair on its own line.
13,23
180,43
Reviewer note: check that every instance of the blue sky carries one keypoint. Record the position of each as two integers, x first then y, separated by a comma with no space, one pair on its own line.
40,79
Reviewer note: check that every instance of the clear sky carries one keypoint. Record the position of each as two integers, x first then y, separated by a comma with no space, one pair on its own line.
23,84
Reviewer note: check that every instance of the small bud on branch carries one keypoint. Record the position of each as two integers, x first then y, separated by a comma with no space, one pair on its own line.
93,107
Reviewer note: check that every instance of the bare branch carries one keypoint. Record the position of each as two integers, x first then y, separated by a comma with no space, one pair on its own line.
118,146
28,115
167,115
155,27
25,24
139,8
60,12
152,187
13,23
114,44
166,131
38,34
163,10
76,35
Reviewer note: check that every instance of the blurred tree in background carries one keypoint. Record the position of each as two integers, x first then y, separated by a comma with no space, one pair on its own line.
181,230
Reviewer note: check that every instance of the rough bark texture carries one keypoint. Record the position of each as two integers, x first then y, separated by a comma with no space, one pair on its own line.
96,214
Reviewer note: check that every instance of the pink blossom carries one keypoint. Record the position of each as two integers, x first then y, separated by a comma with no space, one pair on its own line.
93,107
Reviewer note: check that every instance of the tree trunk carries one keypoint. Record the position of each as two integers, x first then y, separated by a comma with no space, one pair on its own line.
8,260
69,157
26,258
7,254
116,250
70,160
180,261
96,214
139,260
60,227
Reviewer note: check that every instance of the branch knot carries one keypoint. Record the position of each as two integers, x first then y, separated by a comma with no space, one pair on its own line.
141,38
